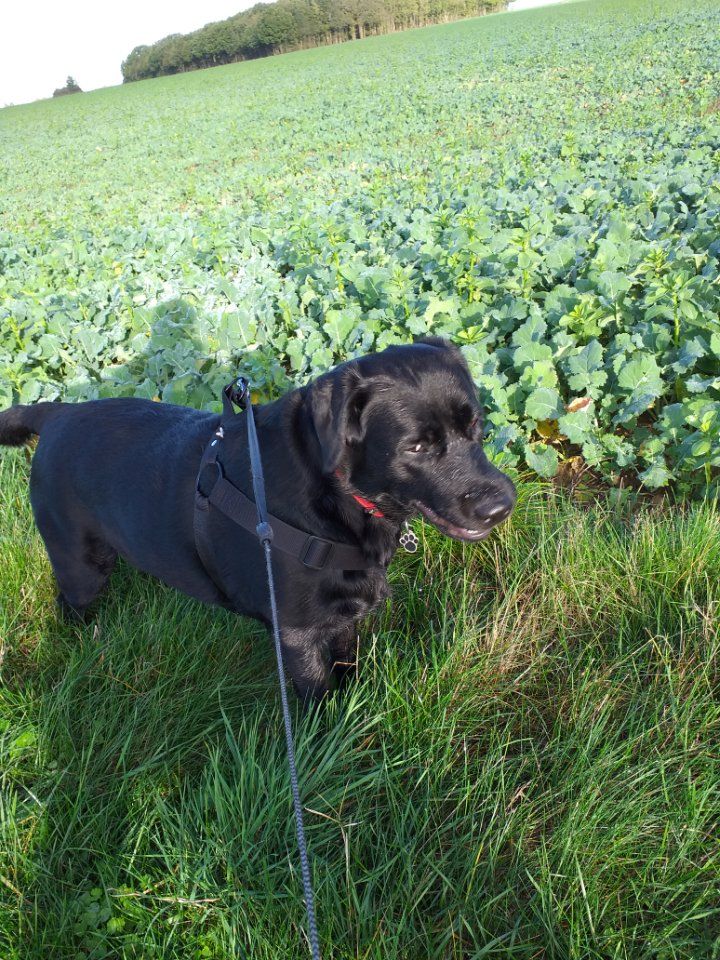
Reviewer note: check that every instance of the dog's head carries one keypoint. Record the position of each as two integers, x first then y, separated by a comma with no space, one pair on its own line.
404,427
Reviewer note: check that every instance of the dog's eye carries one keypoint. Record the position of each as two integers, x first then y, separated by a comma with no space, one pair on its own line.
418,448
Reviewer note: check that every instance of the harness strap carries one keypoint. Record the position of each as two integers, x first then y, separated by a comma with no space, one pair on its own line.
201,516
314,552
213,488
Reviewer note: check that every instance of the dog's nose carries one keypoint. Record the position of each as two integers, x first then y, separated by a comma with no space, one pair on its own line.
495,505
500,511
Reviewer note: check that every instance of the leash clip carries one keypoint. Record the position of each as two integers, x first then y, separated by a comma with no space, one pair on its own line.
236,394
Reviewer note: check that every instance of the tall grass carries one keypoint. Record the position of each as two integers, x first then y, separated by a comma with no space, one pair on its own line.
528,765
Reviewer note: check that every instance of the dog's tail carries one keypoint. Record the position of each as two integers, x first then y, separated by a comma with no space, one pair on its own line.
20,423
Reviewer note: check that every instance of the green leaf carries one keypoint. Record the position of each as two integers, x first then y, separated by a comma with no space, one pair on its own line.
30,391
612,284
638,403
579,426
657,475
544,404
641,374
585,369
501,437
690,352
178,389
561,255
529,348
701,447
24,740
437,306
621,451
338,324
542,458
92,342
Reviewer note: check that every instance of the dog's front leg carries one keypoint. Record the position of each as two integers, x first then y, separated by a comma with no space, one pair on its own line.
343,655
306,659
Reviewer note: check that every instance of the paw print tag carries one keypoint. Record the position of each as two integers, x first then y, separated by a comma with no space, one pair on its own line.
408,540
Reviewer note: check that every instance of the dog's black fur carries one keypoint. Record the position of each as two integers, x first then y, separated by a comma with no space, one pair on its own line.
402,428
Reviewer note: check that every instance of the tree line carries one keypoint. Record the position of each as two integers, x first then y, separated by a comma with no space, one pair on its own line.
269,28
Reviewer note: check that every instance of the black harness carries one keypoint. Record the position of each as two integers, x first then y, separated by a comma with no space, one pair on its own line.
214,490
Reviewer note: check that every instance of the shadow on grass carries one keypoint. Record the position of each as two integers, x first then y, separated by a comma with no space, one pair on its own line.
142,696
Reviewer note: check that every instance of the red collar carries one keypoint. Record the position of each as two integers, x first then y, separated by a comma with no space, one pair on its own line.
367,505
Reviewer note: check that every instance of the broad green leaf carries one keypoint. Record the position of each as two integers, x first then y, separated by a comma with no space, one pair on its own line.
612,284
178,388
542,459
585,369
338,324
579,426
641,374
656,475
544,404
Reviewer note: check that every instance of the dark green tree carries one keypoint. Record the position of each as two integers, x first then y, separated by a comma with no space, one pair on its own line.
269,28
70,87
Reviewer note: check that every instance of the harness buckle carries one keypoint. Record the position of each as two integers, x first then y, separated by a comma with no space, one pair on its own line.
315,552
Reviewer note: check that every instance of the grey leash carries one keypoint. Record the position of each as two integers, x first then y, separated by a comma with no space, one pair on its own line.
265,535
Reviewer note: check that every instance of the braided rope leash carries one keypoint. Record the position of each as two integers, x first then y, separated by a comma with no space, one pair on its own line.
265,535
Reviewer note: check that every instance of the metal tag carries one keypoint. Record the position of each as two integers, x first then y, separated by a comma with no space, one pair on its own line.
408,540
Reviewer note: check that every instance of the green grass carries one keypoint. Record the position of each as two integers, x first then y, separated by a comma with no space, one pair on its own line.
528,766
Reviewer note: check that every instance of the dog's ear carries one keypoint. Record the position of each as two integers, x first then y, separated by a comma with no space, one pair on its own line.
336,402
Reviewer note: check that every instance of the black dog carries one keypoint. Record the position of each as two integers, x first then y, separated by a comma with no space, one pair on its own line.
347,459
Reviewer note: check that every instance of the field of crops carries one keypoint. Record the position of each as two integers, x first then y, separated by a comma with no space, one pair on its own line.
543,188
528,765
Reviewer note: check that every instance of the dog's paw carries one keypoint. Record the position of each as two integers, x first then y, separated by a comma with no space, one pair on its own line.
68,613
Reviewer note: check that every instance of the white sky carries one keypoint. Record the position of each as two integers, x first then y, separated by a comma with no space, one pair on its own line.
42,41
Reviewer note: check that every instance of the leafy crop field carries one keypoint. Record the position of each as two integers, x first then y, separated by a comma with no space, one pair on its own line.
543,187
528,766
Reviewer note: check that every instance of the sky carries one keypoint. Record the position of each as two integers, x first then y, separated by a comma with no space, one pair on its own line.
42,41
